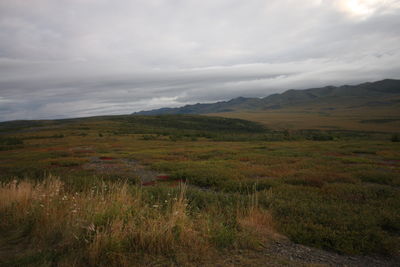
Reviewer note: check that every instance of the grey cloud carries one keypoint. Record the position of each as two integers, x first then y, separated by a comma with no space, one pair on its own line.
69,58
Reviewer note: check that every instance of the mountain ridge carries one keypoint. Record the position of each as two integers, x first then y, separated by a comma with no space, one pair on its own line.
368,93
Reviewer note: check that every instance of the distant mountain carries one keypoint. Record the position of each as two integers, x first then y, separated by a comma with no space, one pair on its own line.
380,93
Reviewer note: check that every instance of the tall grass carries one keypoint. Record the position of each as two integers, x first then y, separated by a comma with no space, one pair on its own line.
117,224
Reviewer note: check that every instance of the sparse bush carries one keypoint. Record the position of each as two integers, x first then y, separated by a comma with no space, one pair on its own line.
395,138
58,136
321,137
341,217
307,181
223,236
148,137
10,141
68,162
378,177
174,137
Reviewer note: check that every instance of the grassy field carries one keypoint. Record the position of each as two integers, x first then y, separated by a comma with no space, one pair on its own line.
74,191
363,118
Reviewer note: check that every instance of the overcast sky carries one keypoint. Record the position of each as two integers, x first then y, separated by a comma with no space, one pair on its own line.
69,58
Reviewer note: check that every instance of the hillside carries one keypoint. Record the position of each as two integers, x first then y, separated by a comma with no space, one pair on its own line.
380,93
367,107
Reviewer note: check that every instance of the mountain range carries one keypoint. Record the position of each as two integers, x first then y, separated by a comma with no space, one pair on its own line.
382,93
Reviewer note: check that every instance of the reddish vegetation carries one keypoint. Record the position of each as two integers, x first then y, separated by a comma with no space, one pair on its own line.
163,177
391,163
84,151
106,158
55,149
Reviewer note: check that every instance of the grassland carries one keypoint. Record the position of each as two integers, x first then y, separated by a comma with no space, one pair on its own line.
325,117
72,192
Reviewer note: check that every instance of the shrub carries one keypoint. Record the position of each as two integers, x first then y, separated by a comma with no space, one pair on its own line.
58,136
395,138
321,137
340,217
118,224
149,137
10,141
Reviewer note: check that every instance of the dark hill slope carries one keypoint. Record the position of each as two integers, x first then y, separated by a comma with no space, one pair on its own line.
380,93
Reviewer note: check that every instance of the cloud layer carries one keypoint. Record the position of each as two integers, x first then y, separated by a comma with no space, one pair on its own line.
68,58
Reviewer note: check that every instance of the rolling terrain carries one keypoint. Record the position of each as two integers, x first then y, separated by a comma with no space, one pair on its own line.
364,107
184,190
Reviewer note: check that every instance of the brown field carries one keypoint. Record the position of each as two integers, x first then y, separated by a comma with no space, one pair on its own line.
357,119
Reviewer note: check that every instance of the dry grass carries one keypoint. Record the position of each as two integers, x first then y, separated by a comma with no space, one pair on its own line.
305,118
261,223
16,193
113,224
258,222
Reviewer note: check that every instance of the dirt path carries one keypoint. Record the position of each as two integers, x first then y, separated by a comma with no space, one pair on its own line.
286,253
307,255
127,168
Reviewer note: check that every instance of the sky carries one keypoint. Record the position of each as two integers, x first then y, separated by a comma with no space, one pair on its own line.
74,58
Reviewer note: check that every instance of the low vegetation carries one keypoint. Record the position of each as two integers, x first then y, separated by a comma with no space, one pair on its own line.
72,191
117,224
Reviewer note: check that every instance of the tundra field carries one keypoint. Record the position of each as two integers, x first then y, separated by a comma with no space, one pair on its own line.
196,190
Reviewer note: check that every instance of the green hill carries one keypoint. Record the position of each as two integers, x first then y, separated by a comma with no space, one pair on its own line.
371,106
380,93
